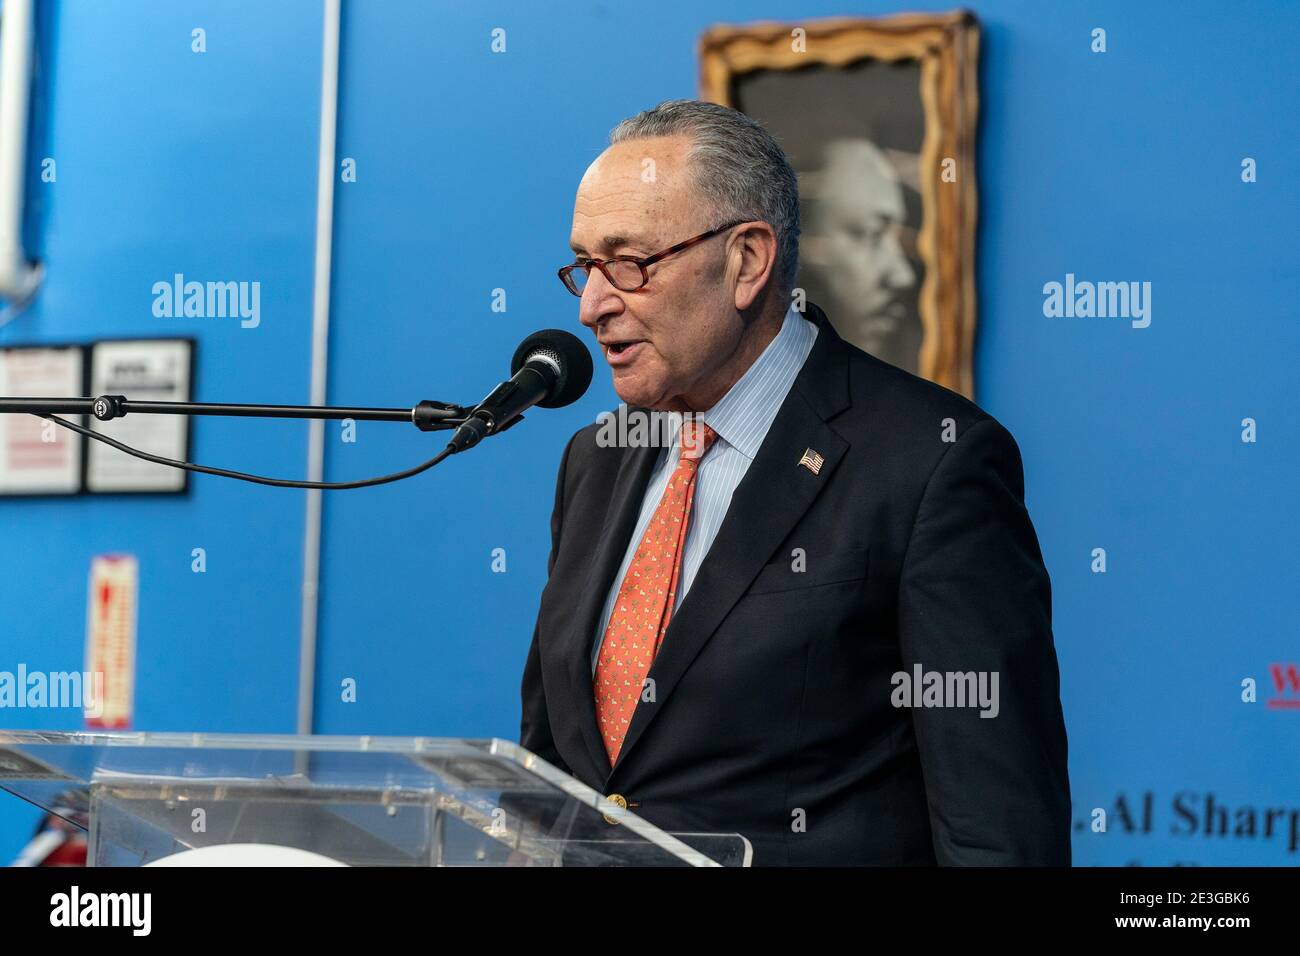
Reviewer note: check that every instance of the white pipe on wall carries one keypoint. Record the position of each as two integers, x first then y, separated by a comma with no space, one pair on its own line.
320,323
18,279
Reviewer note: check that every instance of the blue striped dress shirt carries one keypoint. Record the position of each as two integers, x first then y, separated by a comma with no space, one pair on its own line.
741,418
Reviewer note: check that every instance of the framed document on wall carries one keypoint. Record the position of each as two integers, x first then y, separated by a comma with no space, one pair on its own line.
38,457
157,370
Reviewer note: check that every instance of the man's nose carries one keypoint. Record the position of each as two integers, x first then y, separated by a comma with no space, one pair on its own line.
599,301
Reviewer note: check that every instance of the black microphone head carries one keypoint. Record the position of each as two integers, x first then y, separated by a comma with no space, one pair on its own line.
566,351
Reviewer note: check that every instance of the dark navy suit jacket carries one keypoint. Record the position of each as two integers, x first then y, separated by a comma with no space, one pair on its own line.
774,711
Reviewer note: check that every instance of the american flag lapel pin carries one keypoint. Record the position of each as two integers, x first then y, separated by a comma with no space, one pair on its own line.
812,460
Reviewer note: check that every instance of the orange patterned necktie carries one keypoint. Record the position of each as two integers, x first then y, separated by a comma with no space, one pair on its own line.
645,600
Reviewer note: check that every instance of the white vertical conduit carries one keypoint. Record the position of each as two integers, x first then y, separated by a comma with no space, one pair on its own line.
320,325
18,279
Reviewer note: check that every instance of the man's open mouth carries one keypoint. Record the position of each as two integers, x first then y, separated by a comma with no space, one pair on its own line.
620,353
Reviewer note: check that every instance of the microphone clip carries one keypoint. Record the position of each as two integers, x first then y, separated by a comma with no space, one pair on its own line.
431,416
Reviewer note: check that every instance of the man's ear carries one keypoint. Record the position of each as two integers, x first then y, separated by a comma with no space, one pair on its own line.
753,256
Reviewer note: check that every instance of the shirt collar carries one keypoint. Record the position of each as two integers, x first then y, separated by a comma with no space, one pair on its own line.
743,416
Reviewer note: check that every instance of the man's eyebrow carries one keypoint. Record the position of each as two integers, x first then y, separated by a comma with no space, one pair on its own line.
609,243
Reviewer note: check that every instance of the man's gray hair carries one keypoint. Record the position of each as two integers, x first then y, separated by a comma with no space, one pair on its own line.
738,167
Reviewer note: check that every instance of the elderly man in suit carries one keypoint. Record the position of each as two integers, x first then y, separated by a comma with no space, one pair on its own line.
817,614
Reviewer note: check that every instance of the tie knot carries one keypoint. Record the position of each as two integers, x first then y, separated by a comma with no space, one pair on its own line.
696,439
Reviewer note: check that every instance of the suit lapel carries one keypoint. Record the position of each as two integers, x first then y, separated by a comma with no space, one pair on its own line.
774,494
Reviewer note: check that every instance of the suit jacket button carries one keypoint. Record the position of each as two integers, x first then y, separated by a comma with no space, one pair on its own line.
618,800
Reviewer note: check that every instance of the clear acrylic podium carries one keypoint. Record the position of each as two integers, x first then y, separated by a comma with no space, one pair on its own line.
361,801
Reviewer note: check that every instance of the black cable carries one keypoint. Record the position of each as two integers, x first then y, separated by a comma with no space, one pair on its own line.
256,479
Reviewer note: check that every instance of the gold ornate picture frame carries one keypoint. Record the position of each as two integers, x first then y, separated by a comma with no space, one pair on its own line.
890,176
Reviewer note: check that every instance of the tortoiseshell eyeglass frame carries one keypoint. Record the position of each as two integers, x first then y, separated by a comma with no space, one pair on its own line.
566,273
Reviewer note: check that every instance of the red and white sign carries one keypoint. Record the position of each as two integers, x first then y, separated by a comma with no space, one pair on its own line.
110,640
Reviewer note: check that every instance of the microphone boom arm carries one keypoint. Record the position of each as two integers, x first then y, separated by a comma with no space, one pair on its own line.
427,416
551,369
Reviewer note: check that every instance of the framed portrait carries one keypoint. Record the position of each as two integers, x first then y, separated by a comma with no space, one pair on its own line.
878,118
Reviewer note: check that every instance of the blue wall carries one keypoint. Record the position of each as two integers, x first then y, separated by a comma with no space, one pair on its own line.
1114,167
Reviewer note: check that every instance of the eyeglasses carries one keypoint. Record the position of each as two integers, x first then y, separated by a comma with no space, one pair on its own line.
628,273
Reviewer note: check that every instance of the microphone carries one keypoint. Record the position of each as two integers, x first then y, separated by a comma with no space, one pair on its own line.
551,368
